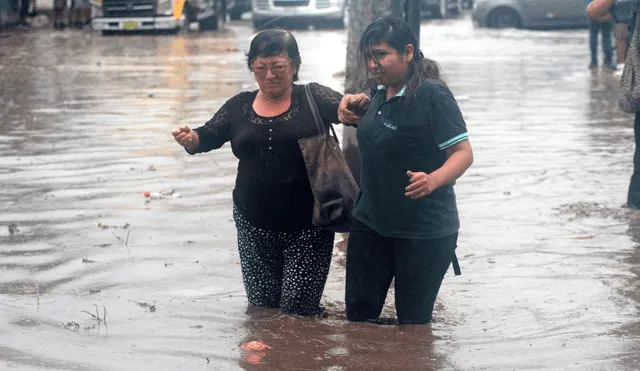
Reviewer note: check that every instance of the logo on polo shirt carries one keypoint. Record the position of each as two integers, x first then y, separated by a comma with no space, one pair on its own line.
390,125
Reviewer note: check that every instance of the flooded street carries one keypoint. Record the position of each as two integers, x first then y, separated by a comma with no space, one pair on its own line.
550,258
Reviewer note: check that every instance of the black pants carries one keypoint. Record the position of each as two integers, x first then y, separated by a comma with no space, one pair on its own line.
418,266
286,270
606,28
633,197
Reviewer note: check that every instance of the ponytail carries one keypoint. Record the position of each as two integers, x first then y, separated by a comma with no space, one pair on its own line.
422,69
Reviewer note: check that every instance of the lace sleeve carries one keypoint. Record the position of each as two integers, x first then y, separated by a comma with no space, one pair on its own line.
216,132
327,101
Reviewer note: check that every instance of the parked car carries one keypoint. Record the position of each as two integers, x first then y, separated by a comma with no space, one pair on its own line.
325,12
529,13
440,8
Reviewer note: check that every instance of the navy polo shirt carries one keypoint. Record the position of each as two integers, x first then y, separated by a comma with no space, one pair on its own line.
398,135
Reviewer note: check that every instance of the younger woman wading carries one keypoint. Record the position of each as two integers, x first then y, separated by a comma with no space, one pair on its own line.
413,146
285,260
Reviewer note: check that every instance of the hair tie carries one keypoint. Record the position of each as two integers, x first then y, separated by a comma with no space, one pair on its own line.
420,54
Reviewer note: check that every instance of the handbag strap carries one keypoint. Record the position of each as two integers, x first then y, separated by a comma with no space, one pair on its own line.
636,30
316,114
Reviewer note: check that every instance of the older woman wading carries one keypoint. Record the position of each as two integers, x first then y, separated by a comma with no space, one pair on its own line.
285,260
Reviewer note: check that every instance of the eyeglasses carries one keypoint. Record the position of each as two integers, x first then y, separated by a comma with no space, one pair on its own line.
277,69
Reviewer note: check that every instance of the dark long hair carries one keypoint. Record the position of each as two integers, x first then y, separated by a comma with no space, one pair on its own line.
398,34
272,42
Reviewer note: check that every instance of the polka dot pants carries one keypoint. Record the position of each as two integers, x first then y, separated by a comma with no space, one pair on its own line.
286,270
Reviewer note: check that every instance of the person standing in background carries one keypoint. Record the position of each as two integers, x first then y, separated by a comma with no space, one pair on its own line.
24,12
80,13
602,25
624,12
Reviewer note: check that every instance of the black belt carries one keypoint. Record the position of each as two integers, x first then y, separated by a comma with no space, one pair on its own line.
456,265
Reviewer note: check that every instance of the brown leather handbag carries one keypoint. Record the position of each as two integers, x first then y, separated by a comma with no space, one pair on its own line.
333,186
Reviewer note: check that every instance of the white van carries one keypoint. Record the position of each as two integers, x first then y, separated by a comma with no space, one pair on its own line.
324,12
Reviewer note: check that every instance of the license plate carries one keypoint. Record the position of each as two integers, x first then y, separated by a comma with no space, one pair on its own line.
291,11
130,25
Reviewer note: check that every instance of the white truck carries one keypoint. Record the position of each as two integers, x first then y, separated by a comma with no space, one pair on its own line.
157,15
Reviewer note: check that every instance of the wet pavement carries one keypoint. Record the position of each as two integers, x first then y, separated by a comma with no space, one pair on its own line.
550,257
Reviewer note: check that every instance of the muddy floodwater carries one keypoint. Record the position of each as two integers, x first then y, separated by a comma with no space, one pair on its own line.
549,256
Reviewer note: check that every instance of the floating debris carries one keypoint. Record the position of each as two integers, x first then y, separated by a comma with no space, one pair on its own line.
172,193
255,345
152,308
13,228
72,325
105,226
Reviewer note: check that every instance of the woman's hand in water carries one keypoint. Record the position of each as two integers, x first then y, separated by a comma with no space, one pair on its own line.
352,107
186,137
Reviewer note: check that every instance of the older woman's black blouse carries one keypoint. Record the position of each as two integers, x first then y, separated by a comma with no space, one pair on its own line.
272,189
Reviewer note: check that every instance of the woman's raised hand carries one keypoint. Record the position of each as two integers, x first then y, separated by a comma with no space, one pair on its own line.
186,137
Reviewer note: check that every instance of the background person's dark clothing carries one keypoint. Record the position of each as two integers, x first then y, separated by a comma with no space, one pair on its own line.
624,11
59,13
272,189
604,28
24,10
418,266
190,11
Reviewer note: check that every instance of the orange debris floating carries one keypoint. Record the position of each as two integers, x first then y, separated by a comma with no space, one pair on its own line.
255,345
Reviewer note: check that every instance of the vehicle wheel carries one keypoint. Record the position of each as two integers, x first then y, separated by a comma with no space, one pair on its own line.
209,24
504,18
108,32
339,23
235,13
334,24
458,9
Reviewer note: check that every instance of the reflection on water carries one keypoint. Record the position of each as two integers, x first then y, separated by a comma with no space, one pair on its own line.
333,344
549,256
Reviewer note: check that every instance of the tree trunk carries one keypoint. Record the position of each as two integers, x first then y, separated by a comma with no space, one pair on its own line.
397,8
361,14
412,16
